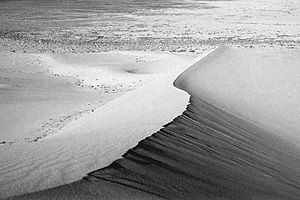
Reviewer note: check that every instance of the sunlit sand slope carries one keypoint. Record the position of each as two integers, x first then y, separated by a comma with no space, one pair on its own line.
258,85
216,149
91,124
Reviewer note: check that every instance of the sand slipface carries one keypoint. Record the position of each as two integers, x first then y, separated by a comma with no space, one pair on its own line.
217,149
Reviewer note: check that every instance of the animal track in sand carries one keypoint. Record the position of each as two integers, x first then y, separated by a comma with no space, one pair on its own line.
53,125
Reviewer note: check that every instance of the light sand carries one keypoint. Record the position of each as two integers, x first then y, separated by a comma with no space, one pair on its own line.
34,103
211,151
56,130
261,86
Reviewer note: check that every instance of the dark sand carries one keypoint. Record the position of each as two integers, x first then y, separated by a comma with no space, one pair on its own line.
158,25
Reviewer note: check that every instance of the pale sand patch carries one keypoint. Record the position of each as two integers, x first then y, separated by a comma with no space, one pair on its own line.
259,85
36,103
112,71
96,139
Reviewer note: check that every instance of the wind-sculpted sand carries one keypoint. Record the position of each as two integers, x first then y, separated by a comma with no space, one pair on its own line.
56,130
215,149
83,82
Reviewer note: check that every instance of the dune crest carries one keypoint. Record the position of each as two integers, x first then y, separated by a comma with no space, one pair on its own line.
215,149
260,86
227,144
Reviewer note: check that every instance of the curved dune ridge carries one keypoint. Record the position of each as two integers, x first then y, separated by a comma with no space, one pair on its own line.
82,124
227,144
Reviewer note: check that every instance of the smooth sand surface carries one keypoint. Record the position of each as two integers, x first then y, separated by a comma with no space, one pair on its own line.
78,126
214,150
261,86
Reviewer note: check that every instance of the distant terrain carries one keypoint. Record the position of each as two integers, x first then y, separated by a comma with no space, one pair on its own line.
164,25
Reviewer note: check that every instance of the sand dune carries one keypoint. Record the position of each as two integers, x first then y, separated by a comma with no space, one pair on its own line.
217,149
113,71
260,86
85,122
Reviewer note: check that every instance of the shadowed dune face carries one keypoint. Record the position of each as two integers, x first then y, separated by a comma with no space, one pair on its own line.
221,152
207,153
217,149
